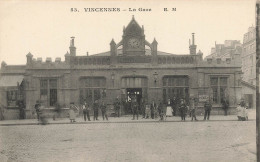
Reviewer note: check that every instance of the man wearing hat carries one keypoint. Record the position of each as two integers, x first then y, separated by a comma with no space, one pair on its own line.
207,107
95,108
37,109
183,109
134,108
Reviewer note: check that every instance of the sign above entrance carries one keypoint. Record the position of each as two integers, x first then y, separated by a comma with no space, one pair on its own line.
134,59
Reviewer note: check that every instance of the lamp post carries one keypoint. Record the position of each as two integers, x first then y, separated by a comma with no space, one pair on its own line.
113,79
155,76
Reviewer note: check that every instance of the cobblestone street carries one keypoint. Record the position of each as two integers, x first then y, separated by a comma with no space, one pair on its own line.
155,141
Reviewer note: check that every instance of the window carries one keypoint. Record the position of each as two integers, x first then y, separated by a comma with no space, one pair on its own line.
12,98
92,89
175,86
134,82
219,87
48,91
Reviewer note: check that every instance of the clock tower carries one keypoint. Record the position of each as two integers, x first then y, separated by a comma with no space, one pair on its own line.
133,39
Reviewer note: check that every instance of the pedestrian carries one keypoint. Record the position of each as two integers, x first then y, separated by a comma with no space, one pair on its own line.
169,108
152,107
239,112
225,105
42,117
142,107
207,107
72,114
160,110
243,110
174,106
88,109
183,109
84,109
117,106
95,109
193,107
37,108
21,109
1,112
160,107
103,107
134,106
147,110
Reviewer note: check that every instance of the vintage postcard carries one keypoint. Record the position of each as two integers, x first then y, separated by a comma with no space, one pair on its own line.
128,80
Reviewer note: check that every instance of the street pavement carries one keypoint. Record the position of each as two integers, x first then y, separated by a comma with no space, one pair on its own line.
121,139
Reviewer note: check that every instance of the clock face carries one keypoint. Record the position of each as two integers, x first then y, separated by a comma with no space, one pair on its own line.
134,43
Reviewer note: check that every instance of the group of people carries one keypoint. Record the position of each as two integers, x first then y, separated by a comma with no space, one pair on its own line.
153,110
86,108
144,109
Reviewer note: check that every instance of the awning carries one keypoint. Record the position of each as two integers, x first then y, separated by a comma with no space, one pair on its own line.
11,80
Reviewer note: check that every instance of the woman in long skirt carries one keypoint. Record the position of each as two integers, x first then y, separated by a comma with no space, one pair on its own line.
72,114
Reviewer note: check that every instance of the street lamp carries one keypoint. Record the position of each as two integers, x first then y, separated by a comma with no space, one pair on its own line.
155,76
113,78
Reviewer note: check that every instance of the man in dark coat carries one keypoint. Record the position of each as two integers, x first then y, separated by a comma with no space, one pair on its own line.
160,108
174,106
103,108
207,107
21,109
152,107
183,109
142,107
86,109
37,109
95,109
225,105
117,106
134,106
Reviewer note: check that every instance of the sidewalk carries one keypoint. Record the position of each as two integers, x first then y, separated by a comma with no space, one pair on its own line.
123,119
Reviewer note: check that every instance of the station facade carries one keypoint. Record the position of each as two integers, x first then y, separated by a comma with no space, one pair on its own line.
132,66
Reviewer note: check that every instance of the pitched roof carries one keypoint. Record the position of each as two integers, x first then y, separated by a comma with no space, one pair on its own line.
120,52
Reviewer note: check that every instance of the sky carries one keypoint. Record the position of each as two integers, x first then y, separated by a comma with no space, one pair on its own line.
44,28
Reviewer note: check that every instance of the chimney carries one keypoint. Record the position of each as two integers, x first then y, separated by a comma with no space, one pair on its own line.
72,47
193,39
193,46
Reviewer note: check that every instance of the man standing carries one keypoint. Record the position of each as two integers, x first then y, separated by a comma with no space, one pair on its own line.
160,108
86,109
117,106
225,105
174,106
142,107
134,108
193,106
103,107
37,109
183,109
153,107
22,109
207,107
95,108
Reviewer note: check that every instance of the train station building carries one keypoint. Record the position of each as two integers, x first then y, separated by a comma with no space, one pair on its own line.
131,66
